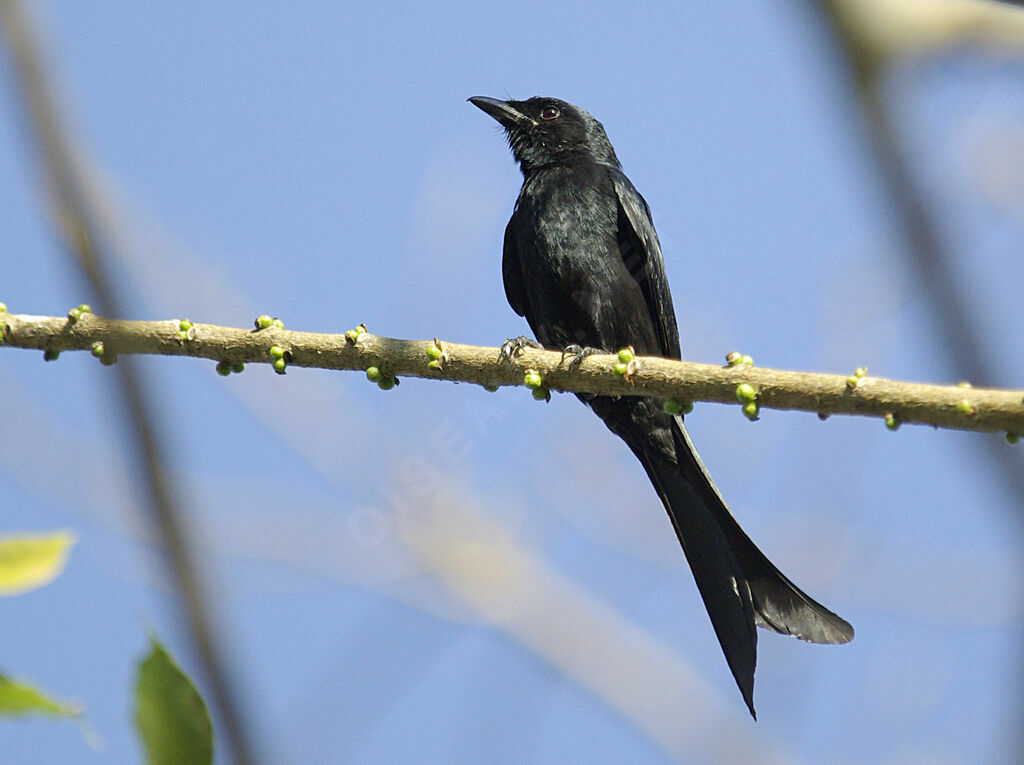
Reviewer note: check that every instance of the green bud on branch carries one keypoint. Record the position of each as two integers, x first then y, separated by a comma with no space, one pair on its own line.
746,393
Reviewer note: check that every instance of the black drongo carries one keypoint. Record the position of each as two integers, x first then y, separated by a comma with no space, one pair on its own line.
583,264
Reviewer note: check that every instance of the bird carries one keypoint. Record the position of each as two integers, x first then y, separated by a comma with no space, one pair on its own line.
582,263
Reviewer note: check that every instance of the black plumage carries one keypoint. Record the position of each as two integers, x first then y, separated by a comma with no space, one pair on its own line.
583,264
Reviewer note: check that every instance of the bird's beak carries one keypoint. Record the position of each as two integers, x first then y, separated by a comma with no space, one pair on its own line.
502,112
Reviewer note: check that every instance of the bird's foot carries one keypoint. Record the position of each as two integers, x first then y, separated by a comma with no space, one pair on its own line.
578,353
514,346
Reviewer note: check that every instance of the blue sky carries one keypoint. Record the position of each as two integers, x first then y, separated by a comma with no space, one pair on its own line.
441,574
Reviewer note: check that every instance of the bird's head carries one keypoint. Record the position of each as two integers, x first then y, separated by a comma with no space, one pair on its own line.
547,131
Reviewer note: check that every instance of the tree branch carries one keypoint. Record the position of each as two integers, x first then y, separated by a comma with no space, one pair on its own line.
954,407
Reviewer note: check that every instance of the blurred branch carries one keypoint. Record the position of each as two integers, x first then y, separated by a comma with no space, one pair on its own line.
72,218
888,30
927,254
870,35
483,563
859,35
954,407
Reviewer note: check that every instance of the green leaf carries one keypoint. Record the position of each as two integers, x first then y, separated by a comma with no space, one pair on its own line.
21,699
30,561
171,716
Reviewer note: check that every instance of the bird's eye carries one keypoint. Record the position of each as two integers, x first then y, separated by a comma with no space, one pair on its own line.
549,113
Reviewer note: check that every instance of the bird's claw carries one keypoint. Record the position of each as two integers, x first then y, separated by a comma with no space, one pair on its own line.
514,346
578,353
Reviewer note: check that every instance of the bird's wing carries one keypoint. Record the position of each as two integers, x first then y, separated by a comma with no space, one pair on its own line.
641,253
512,272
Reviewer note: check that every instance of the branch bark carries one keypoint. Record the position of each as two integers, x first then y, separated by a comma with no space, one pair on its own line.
953,407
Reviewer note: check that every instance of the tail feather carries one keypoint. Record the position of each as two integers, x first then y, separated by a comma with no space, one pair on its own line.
719,575
779,604
740,587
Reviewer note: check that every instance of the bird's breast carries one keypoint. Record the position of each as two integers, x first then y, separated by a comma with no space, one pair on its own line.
570,225
577,288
